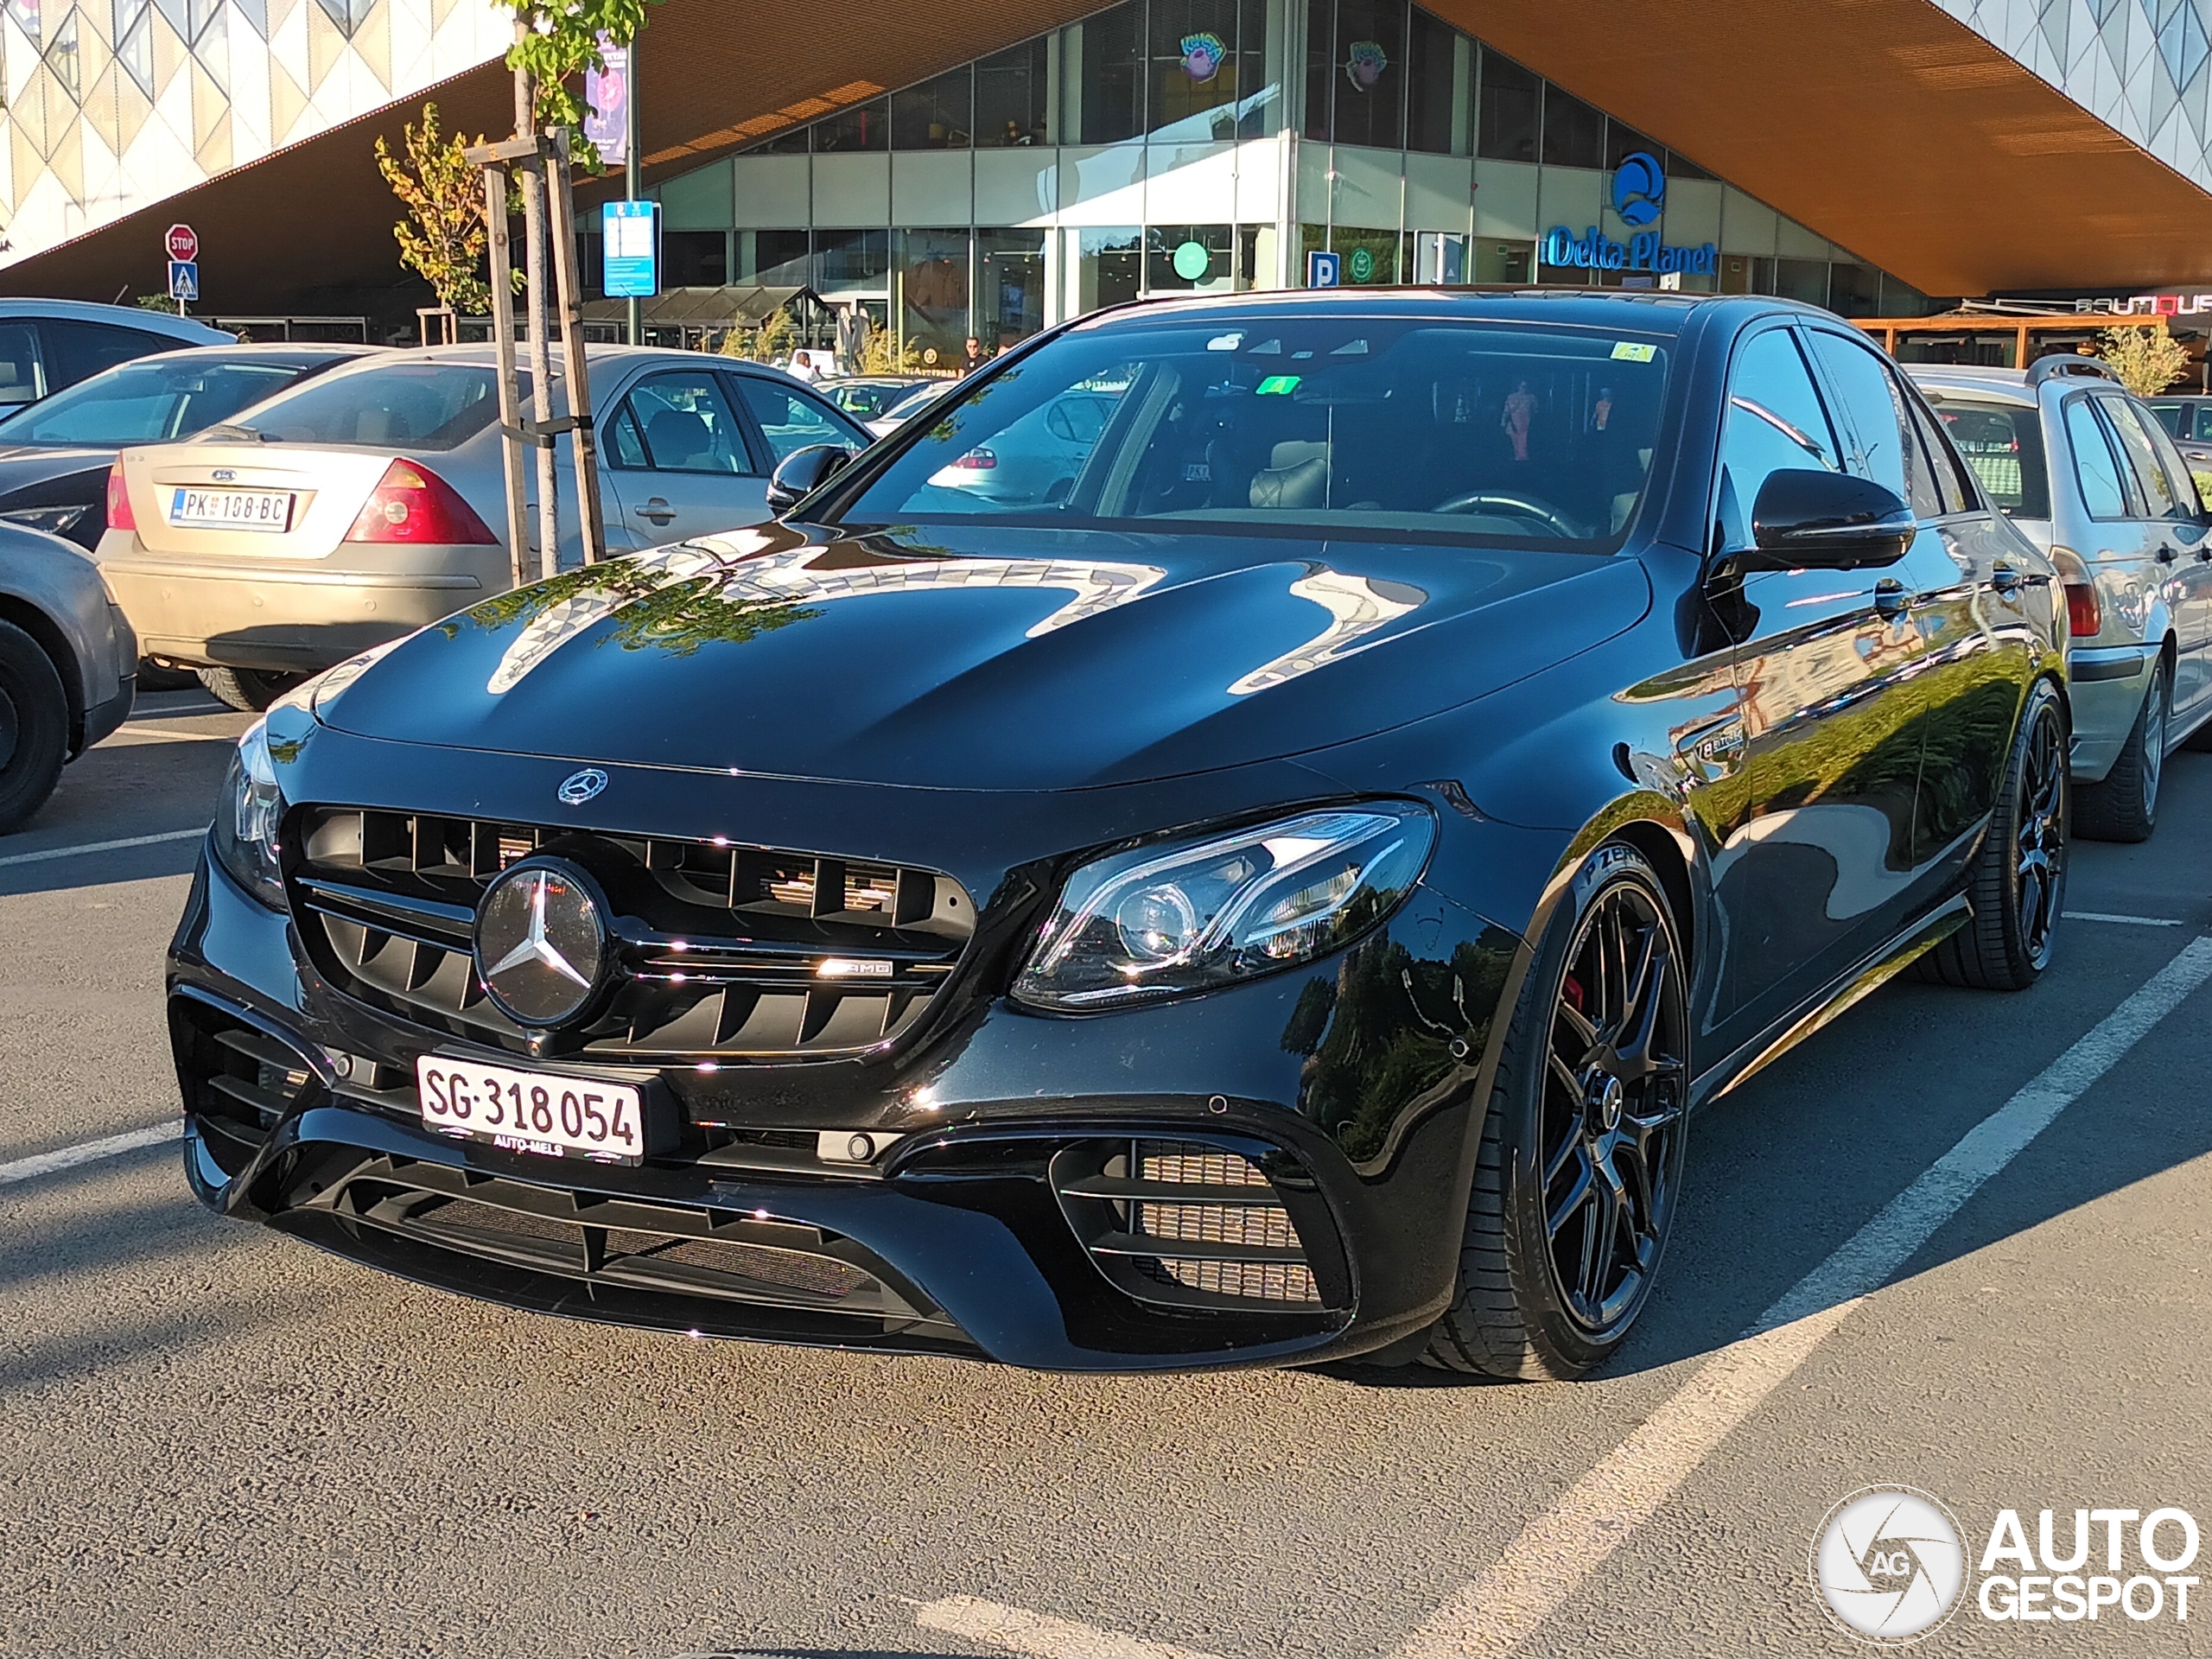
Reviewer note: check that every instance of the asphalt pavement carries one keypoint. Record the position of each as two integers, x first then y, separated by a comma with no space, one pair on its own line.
216,1439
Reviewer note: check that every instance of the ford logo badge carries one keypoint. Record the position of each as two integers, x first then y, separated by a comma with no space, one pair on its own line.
580,787
225,475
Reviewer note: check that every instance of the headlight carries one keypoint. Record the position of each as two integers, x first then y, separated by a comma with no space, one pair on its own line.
246,819
1161,922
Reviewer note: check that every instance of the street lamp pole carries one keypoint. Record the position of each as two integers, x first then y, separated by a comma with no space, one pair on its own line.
631,181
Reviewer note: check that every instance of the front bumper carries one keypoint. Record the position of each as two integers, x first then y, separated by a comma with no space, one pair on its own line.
959,1239
2107,685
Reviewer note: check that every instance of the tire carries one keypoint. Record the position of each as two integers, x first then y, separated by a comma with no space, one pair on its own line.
1582,1148
2123,806
34,727
249,690
2018,882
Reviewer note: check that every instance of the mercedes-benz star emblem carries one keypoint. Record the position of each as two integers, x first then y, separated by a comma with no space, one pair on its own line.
580,787
541,943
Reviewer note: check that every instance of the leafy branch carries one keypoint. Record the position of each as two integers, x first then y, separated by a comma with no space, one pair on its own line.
557,42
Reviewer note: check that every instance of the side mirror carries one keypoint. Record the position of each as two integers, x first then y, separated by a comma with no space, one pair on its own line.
802,472
1807,519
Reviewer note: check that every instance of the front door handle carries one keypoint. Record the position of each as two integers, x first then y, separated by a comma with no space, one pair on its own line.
2167,555
658,510
1889,597
2005,579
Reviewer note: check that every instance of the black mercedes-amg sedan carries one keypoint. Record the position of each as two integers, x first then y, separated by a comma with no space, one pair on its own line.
1274,885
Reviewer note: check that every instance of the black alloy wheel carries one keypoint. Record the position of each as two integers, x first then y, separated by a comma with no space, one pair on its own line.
34,727
1582,1151
2018,882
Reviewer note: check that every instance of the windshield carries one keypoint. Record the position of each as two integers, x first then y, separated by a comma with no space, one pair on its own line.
149,400
865,400
2003,442
416,405
1341,424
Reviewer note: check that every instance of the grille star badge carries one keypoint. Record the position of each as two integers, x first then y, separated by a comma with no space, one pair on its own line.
541,942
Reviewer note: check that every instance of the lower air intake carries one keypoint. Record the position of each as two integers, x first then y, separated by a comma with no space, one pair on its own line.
1184,1223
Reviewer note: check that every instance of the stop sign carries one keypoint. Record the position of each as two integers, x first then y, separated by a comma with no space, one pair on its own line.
184,242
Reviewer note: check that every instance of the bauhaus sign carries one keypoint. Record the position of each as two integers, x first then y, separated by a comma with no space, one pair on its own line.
1639,190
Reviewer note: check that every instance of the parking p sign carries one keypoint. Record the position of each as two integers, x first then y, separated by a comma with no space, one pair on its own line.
1323,270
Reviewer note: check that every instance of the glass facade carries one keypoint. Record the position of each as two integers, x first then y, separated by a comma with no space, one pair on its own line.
1172,146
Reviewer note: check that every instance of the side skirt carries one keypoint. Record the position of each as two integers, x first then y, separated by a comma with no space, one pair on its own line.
1845,994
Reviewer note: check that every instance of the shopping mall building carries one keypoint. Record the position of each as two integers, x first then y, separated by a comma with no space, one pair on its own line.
996,166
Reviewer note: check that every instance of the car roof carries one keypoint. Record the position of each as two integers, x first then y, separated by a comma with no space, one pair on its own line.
187,330
249,349
1644,311
1990,384
486,356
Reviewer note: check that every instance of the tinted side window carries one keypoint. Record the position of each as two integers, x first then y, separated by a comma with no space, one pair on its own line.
1883,447
22,369
77,351
2164,497
687,425
2003,442
2095,466
1944,468
2178,469
1776,422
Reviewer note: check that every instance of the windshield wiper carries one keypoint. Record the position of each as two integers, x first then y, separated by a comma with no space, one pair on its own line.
232,433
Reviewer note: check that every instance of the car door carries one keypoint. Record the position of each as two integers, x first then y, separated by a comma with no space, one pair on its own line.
2174,529
680,460
1812,872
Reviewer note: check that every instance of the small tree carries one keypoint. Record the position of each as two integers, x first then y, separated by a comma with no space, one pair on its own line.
443,237
2147,360
774,338
882,354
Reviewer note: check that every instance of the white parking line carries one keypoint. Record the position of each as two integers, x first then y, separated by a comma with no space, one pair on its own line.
102,846
2129,921
135,736
1018,1630
1561,1548
87,1152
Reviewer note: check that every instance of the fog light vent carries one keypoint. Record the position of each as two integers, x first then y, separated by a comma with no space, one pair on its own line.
1184,1222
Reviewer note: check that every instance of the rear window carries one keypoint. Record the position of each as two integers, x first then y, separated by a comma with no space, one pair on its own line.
149,401
2003,442
399,406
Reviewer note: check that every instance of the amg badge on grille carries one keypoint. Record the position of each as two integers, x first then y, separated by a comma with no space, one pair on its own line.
541,942
580,787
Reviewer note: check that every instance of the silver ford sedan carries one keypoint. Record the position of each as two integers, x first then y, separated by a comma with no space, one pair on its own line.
364,503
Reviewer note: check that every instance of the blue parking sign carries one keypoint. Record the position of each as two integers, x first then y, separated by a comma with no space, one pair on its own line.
1323,270
184,280
631,244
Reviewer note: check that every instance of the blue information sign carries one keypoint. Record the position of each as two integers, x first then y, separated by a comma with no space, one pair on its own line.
1323,270
184,280
632,243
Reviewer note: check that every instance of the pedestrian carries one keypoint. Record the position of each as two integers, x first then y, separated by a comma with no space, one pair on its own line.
975,354
1517,416
803,365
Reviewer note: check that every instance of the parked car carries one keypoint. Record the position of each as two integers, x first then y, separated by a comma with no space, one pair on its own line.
1035,461
867,397
55,455
2187,419
47,345
918,398
370,501
67,665
1279,897
2092,475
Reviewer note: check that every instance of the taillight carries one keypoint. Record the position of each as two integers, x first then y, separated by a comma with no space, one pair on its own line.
413,503
2084,618
980,460
119,500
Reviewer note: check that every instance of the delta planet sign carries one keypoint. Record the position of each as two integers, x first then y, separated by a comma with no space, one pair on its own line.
1639,191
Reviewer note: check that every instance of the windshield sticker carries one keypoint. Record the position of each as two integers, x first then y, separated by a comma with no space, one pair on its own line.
1225,342
1277,385
1629,351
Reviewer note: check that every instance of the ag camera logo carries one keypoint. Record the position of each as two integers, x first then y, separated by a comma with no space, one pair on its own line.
1889,1563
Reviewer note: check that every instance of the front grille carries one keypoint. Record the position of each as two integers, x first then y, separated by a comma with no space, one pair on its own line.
641,1243
1184,1223
722,950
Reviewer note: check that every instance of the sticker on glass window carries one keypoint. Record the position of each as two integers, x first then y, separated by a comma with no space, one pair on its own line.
1277,385
1630,351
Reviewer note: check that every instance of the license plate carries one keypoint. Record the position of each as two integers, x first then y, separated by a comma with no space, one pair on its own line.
263,510
532,1111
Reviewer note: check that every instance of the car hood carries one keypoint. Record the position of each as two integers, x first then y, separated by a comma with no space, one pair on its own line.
27,463
983,657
